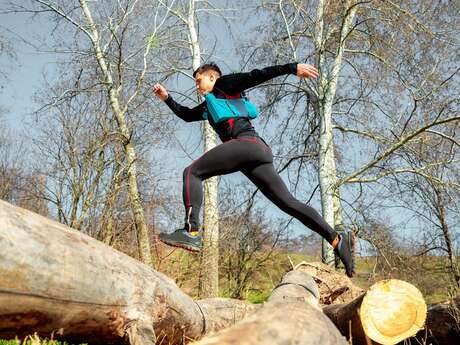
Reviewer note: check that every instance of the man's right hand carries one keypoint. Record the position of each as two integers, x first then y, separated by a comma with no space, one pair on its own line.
160,92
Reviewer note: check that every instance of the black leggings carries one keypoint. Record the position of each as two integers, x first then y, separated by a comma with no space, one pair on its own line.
253,157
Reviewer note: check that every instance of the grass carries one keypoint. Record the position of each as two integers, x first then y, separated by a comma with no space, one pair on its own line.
257,297
33,340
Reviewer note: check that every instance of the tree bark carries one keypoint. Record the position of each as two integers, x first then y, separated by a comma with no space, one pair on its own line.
334,287
57,280
291,316
442,324
209,268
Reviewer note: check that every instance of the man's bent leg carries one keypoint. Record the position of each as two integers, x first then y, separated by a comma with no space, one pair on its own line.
272,186
223,159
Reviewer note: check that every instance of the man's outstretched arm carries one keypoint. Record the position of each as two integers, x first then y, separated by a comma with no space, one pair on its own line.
238,82
185,113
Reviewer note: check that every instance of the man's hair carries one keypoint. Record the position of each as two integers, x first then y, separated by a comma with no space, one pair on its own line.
207,67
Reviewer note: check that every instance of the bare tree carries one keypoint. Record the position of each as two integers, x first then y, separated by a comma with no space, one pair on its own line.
7,53
249,242
12,170
187,12
376,82
118,50
431,191
74,146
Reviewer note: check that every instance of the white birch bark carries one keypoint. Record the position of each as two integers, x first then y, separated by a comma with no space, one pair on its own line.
209,278
327,174
131,158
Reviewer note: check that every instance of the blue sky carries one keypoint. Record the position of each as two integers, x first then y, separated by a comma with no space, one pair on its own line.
26,77
26,70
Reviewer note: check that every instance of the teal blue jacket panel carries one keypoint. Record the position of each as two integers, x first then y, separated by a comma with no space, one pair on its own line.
222,109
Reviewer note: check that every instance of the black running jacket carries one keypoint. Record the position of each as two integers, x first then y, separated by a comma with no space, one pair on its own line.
231,85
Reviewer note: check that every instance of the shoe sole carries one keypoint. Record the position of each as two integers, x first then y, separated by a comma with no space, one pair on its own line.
182,246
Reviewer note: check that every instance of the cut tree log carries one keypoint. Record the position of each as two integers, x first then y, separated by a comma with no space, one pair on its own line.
389,312
442,324
291,316
334,287
55,280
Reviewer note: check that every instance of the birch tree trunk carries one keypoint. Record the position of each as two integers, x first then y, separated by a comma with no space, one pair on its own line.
128,145
327,174
441,215
209,277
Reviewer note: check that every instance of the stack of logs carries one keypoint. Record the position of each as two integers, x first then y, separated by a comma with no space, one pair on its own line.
59,282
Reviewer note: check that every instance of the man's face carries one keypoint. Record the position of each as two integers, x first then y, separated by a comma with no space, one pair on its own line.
205,82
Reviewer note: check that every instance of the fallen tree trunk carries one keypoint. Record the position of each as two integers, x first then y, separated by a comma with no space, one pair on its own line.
389,312
334,287
55,280
291,316
442,324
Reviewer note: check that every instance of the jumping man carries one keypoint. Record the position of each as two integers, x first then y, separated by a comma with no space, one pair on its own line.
242,149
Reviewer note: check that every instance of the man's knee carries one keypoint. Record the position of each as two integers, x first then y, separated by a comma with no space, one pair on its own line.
190,171
186,172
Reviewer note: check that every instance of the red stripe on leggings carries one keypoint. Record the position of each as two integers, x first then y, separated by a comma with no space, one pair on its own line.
187,185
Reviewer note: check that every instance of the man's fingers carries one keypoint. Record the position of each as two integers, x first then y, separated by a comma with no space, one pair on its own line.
157,88
313,71
307,71
160,91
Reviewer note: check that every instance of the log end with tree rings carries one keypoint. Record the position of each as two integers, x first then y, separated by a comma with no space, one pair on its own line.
392,311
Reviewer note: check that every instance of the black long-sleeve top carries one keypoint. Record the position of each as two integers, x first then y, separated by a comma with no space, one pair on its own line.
231,84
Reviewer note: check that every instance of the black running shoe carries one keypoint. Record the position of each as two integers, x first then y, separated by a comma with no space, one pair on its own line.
181,238
345,250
